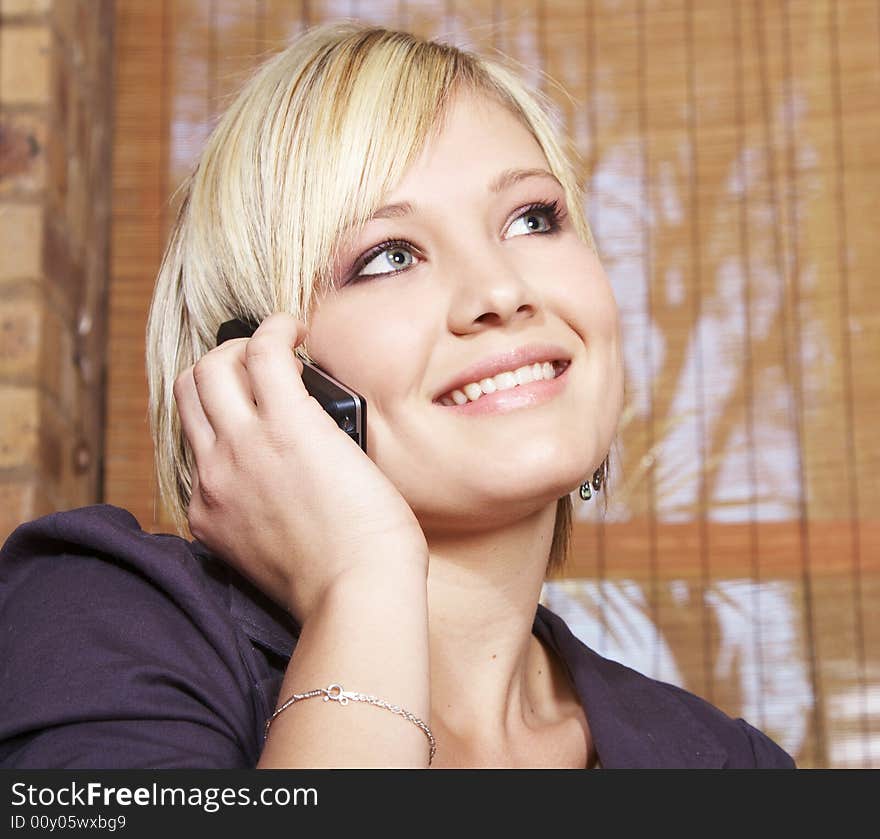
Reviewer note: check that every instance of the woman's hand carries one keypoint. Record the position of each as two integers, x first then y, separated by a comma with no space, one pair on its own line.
279,490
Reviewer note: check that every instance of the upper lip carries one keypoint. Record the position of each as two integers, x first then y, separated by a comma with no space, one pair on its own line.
507,360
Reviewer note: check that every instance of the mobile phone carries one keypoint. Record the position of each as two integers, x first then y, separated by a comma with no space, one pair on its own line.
347,407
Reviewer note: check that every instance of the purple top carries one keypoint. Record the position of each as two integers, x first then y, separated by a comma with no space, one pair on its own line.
124,649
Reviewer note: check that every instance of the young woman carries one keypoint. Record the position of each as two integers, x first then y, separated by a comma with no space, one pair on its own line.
402,214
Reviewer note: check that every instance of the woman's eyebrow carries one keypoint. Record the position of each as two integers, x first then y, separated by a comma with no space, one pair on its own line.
502,181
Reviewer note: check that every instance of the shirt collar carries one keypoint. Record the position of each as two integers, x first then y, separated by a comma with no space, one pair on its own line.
260,618
635,722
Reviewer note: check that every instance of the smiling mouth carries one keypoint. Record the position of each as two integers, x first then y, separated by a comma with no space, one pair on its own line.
508,380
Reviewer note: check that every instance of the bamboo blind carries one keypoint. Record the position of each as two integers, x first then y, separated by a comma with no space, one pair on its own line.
731,165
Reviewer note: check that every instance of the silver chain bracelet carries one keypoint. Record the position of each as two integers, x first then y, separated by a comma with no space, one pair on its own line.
337,694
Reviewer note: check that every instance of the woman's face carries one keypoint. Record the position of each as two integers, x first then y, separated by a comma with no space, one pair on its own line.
478,277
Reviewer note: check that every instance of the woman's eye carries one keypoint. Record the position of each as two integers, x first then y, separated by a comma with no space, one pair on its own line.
532,216
395,256
392,257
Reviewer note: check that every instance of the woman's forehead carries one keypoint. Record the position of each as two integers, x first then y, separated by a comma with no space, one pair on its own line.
479,146
482,150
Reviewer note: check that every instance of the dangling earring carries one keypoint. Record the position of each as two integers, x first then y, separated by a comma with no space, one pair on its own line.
598,477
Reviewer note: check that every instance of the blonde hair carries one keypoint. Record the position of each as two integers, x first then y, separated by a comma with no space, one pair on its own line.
314,140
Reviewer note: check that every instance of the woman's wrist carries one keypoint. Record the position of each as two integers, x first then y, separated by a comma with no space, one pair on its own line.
391,581
367,632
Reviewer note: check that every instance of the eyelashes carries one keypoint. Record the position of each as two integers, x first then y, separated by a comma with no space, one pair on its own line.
551,209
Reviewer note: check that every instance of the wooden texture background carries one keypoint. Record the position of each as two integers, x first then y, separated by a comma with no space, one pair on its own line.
731,162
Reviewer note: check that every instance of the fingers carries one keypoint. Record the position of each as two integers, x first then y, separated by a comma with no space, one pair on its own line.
274,371
193,420
221,389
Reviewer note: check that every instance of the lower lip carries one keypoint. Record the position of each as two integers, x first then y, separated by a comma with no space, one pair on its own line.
521,396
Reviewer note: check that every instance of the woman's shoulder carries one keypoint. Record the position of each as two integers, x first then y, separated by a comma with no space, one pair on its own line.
104,622
638,721
102,551
747,747
104,528
100,556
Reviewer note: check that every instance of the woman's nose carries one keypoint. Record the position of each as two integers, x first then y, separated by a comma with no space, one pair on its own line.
491,291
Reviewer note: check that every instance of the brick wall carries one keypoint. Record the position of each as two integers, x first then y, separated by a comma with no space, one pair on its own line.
55,118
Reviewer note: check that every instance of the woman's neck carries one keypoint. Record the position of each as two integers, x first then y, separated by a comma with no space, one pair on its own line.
490,676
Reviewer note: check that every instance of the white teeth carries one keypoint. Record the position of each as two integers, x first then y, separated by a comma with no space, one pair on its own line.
503,381
472,392
524,375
